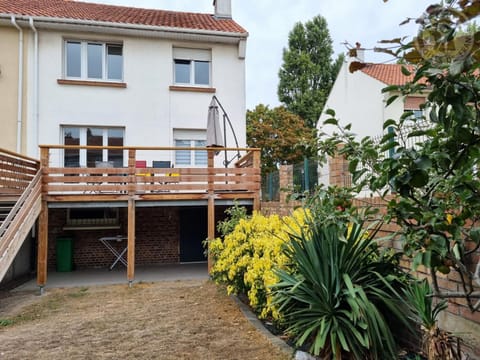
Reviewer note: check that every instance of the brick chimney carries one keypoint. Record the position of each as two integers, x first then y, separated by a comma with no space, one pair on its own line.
223,9
360,52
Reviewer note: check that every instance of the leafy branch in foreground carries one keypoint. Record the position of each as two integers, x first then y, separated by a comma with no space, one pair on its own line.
427,169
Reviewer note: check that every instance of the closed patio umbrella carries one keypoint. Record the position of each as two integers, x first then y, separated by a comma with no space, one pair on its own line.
214,132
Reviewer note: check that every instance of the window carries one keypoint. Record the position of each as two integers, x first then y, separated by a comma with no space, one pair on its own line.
192,66
84,218
413,105
415,114
93,60
95,136
191,139
191,157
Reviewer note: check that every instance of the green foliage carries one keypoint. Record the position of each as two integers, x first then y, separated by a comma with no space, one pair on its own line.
6,322
436,344
419,297
308,73
281,135
335,205
234,215
337,293
430,164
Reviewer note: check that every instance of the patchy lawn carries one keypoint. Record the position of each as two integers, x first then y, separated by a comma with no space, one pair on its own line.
164,320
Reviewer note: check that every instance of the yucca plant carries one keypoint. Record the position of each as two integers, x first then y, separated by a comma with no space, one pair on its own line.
436,344
338,295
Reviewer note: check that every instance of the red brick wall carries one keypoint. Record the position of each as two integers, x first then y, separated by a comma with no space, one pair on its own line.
447,283
157,238
339,176
282,207
338,172
157,235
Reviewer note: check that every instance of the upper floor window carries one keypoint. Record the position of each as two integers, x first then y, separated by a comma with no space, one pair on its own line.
413,105
92,60
93,136
192,66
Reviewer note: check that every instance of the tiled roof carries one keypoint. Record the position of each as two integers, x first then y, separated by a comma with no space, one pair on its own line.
77,10
390,74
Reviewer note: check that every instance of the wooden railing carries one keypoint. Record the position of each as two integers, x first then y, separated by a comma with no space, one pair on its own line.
88,182
20,181
16,172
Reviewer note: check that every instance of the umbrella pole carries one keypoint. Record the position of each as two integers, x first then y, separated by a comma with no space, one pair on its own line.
226,118
225,161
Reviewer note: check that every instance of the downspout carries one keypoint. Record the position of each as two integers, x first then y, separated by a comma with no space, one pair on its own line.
35,85
20,85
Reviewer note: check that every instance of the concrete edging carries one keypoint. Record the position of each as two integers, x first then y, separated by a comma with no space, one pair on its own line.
252,318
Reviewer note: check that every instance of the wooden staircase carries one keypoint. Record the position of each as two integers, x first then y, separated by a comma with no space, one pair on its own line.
20,203
6,205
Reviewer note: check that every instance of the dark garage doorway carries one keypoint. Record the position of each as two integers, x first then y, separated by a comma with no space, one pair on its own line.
193,231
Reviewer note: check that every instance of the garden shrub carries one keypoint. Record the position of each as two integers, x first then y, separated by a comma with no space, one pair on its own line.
244,259
338,295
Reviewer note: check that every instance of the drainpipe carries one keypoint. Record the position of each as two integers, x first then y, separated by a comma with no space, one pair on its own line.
35,86
20,85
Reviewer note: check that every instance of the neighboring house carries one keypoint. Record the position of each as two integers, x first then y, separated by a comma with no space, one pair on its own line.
357,99
102,75
13,92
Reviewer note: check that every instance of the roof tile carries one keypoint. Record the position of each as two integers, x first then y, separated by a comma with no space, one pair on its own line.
390,74
77,10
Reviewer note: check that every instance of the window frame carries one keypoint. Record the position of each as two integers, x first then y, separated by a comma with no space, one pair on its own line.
193,137
415,114
82,155
103,221
192,57
84,45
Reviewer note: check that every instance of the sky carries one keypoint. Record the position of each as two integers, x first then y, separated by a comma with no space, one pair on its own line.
270,21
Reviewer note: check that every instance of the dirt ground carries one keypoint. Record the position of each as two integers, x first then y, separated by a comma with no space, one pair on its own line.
163,320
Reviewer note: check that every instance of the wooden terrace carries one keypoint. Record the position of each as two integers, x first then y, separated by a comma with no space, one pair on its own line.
129,185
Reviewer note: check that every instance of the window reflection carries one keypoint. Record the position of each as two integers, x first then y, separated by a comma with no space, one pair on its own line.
114,62
71,156
92,136
73,61
202,73
94,61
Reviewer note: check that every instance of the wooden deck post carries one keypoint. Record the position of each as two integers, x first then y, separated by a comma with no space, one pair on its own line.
132,188
131,242
257,165
42,250
211,206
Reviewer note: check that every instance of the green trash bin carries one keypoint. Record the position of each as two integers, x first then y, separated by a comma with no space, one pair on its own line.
64,251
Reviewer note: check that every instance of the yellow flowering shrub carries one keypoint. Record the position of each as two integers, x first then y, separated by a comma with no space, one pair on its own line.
245,258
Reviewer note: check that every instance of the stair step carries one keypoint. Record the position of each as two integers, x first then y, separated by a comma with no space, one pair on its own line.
8,199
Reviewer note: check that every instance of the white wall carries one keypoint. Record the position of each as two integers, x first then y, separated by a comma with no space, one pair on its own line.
357,99
146,108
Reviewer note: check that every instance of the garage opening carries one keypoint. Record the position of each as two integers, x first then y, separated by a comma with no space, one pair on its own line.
193,231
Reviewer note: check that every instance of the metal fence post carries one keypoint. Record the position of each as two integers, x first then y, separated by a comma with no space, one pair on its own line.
306,175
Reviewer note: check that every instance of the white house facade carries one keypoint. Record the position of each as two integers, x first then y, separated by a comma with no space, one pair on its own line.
111,75
358,99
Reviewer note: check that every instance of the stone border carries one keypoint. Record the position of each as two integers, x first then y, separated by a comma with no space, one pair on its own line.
287,349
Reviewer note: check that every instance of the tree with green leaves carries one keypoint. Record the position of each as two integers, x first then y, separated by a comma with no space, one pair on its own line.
282,136
308,72
432,188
